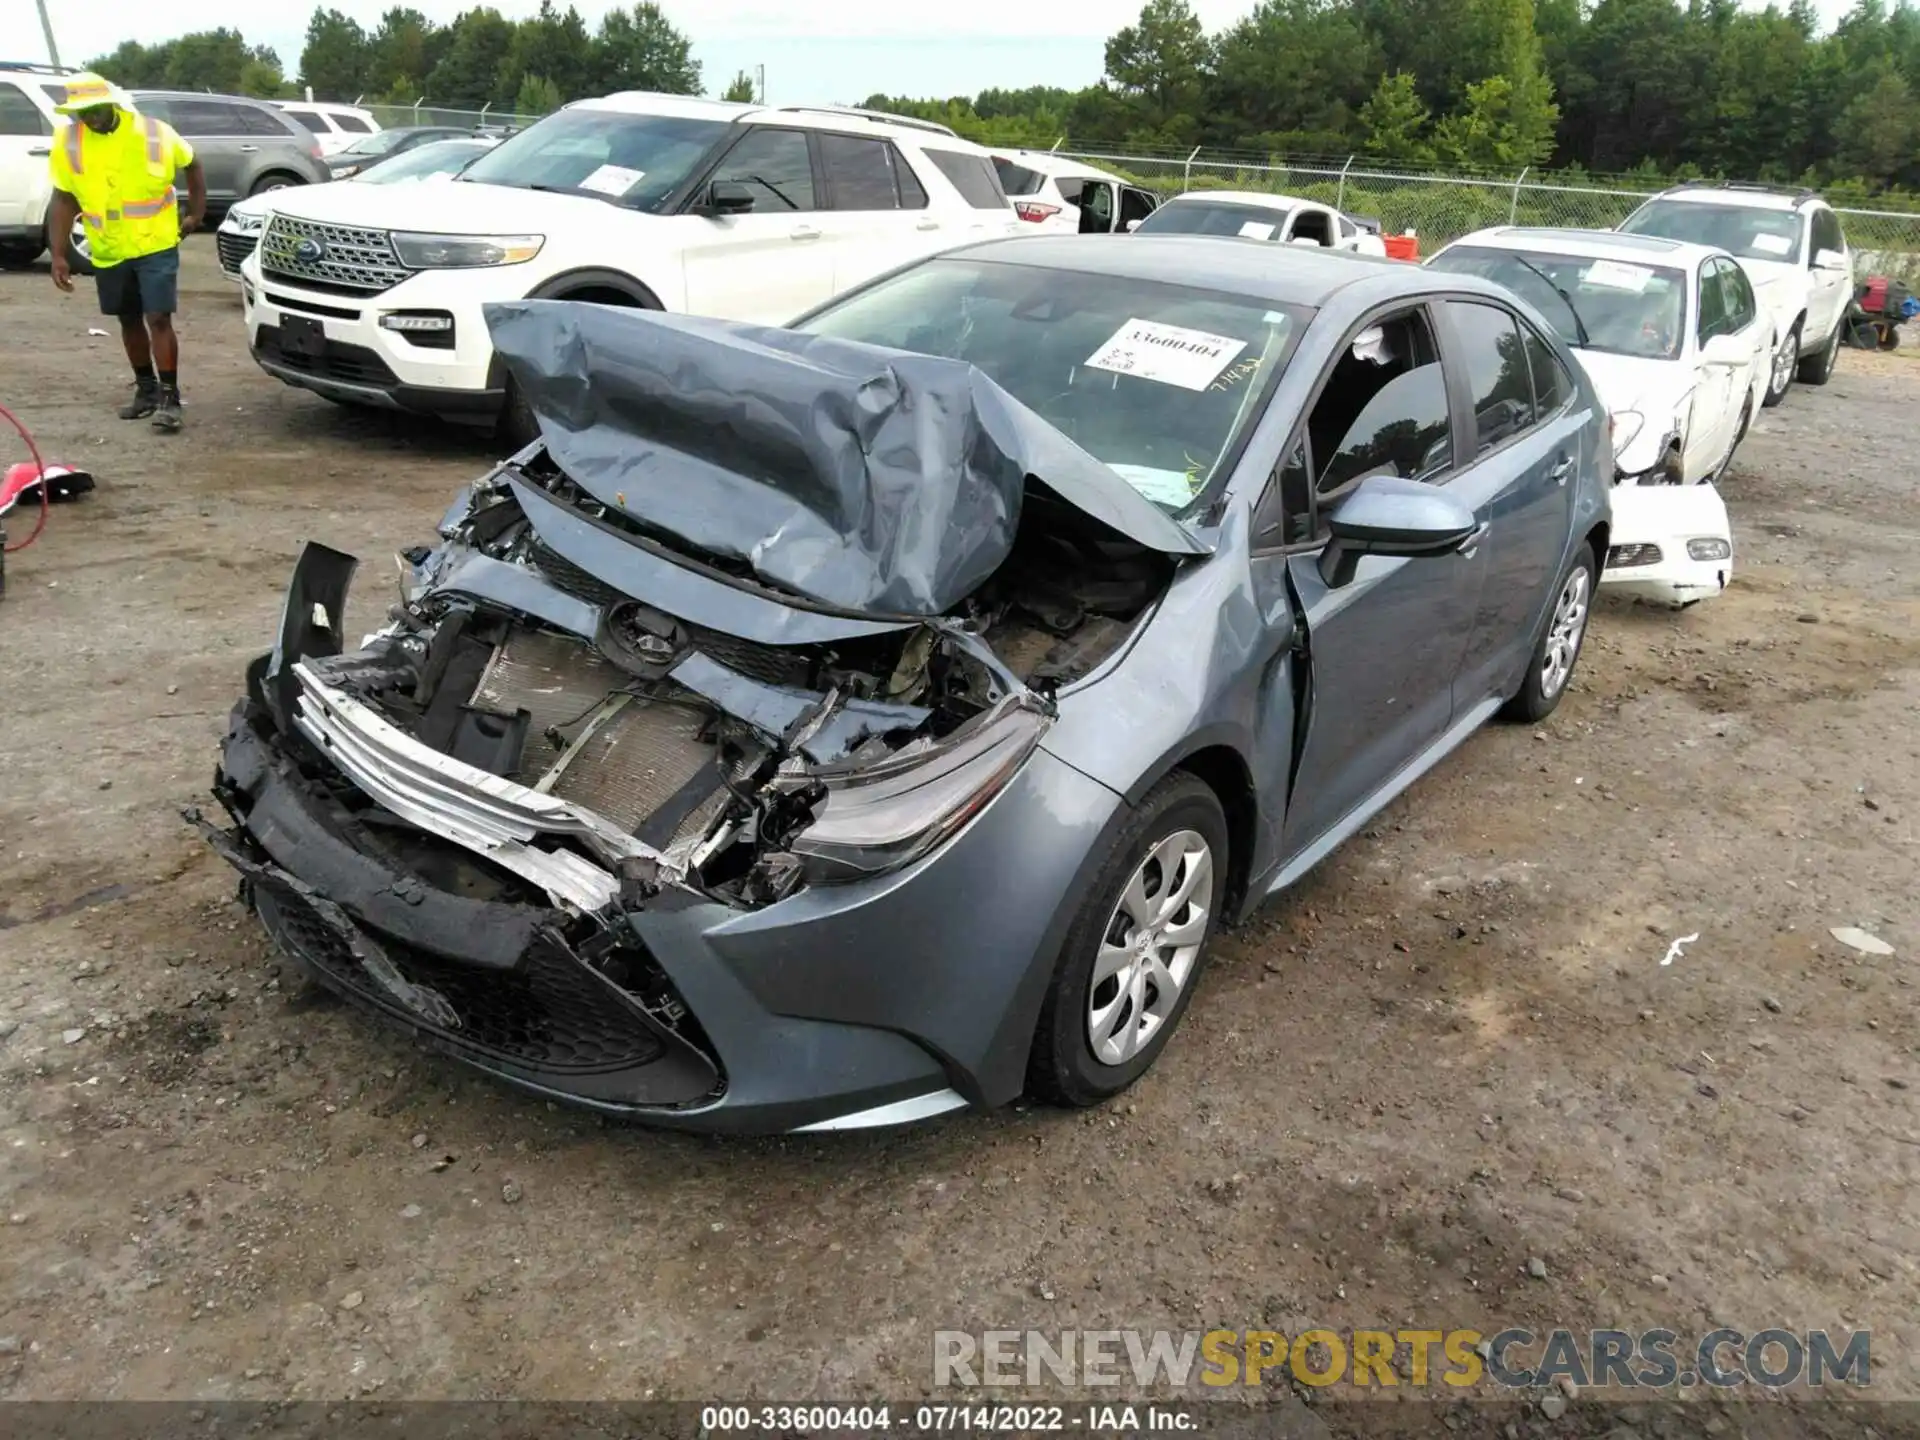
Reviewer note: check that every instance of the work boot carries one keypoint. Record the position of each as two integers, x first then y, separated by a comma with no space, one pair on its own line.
146,399
166,414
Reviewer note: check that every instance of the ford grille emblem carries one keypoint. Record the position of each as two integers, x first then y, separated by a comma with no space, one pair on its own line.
310,249
654,649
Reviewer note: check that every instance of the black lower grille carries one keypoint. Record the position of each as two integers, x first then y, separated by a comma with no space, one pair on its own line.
1623,557
553,1015
350,364
233,249
775,664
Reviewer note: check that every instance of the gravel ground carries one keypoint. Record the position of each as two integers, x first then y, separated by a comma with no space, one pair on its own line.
1449,1053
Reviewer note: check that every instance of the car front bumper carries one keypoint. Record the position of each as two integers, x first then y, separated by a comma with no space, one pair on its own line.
366,363
842,1006
1667,519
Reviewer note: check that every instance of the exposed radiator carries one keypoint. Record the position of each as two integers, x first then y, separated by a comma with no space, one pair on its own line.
623,764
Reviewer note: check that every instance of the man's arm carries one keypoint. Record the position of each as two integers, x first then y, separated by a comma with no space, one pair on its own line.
60,218
196,199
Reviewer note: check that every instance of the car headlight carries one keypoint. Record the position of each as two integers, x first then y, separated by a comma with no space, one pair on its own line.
1709,547
880,816
464,252
344,171
1627,425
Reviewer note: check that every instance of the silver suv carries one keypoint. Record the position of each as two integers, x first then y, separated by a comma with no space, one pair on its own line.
245,147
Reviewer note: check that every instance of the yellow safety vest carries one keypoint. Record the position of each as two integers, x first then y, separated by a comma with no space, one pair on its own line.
124,185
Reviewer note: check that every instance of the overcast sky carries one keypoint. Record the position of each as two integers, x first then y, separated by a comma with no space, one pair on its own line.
842,50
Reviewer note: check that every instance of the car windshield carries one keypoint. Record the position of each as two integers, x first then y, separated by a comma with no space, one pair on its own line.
634,160
1216,217
424,162
1159,381
378,143
1618,306
1748,232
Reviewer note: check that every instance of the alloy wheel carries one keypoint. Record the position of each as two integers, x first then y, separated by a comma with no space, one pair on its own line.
1149,947
1563,640
1785,358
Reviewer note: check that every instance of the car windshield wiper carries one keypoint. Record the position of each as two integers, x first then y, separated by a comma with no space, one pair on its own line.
1579,325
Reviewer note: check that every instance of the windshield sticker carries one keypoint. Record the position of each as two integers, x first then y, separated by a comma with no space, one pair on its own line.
1168,354
1169,488
1235,373
1771,244
613,180
1613,275
1256,230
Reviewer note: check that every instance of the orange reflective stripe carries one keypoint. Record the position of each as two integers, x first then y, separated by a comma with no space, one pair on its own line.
147,209
154,151
74,128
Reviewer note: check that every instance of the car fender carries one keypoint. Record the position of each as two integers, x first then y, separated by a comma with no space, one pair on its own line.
584,277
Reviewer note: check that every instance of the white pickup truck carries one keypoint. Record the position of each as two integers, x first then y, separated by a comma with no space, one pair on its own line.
1256,215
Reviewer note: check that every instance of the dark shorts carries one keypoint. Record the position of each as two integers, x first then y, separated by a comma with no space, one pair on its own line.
149,285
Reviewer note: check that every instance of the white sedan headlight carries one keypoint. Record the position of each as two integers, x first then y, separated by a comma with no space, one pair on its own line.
464,252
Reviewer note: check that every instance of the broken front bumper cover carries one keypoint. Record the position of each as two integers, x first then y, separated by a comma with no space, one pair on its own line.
608,983
1670,544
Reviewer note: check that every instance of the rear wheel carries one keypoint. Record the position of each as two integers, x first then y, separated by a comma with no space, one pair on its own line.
1818,369
1557,651
1785,359
273,181
1136,949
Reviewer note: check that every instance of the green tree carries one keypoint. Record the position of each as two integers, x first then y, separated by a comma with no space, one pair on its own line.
537,96
1295,68
553,44
134,66
1531,116
741,91
639,49
335,59
1880,130
403,45
468,73
1394,120
1160,65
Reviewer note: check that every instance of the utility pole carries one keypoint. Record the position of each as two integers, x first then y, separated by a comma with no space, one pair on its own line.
759,68
46,28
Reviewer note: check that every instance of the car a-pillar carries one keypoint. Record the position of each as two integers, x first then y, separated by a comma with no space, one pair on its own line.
596,287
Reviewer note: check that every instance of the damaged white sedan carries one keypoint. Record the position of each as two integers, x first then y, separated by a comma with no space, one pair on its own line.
1679,349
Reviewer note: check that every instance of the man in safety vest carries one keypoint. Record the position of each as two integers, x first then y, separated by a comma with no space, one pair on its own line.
115,170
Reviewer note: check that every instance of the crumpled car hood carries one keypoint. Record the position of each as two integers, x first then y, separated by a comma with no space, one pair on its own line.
861,478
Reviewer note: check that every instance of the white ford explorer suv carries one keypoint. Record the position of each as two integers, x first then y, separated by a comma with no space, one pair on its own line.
1790,245
372,294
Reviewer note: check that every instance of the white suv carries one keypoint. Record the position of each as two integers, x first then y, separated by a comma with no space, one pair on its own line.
374,294
28,94
1790,244
334,126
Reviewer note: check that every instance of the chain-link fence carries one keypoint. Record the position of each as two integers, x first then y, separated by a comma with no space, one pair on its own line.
390,116
1438,207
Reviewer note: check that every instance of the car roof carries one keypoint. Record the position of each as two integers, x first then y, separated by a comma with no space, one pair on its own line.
1266,199
1593,244
1736,195
1277,275
802,117
1055,166
204,95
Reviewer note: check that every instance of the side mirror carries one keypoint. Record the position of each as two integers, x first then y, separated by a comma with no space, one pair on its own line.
1831,260
727,197
1727,350
1386,515
1131,226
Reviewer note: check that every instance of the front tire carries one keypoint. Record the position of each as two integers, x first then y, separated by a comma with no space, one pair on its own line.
1786,358
1136,949
1557,651
1818,369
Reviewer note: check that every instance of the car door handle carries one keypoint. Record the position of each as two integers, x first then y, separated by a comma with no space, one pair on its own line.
1472,542
249,149
804,232
39,150
1562,468
928,224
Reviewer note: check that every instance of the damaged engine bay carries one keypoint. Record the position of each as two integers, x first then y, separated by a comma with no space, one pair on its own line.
734,768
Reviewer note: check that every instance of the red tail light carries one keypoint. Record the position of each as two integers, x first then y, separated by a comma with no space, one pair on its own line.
1033,210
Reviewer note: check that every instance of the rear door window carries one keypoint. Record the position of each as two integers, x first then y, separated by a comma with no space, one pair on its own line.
352,124
313,122
860,172
973,176
19,115
1494,362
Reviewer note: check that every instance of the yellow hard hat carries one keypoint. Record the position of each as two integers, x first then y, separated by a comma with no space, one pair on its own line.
87,90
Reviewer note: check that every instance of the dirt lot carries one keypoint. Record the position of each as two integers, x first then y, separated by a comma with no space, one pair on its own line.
1453,1051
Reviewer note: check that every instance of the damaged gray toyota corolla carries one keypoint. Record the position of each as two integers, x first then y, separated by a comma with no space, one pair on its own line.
839,725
